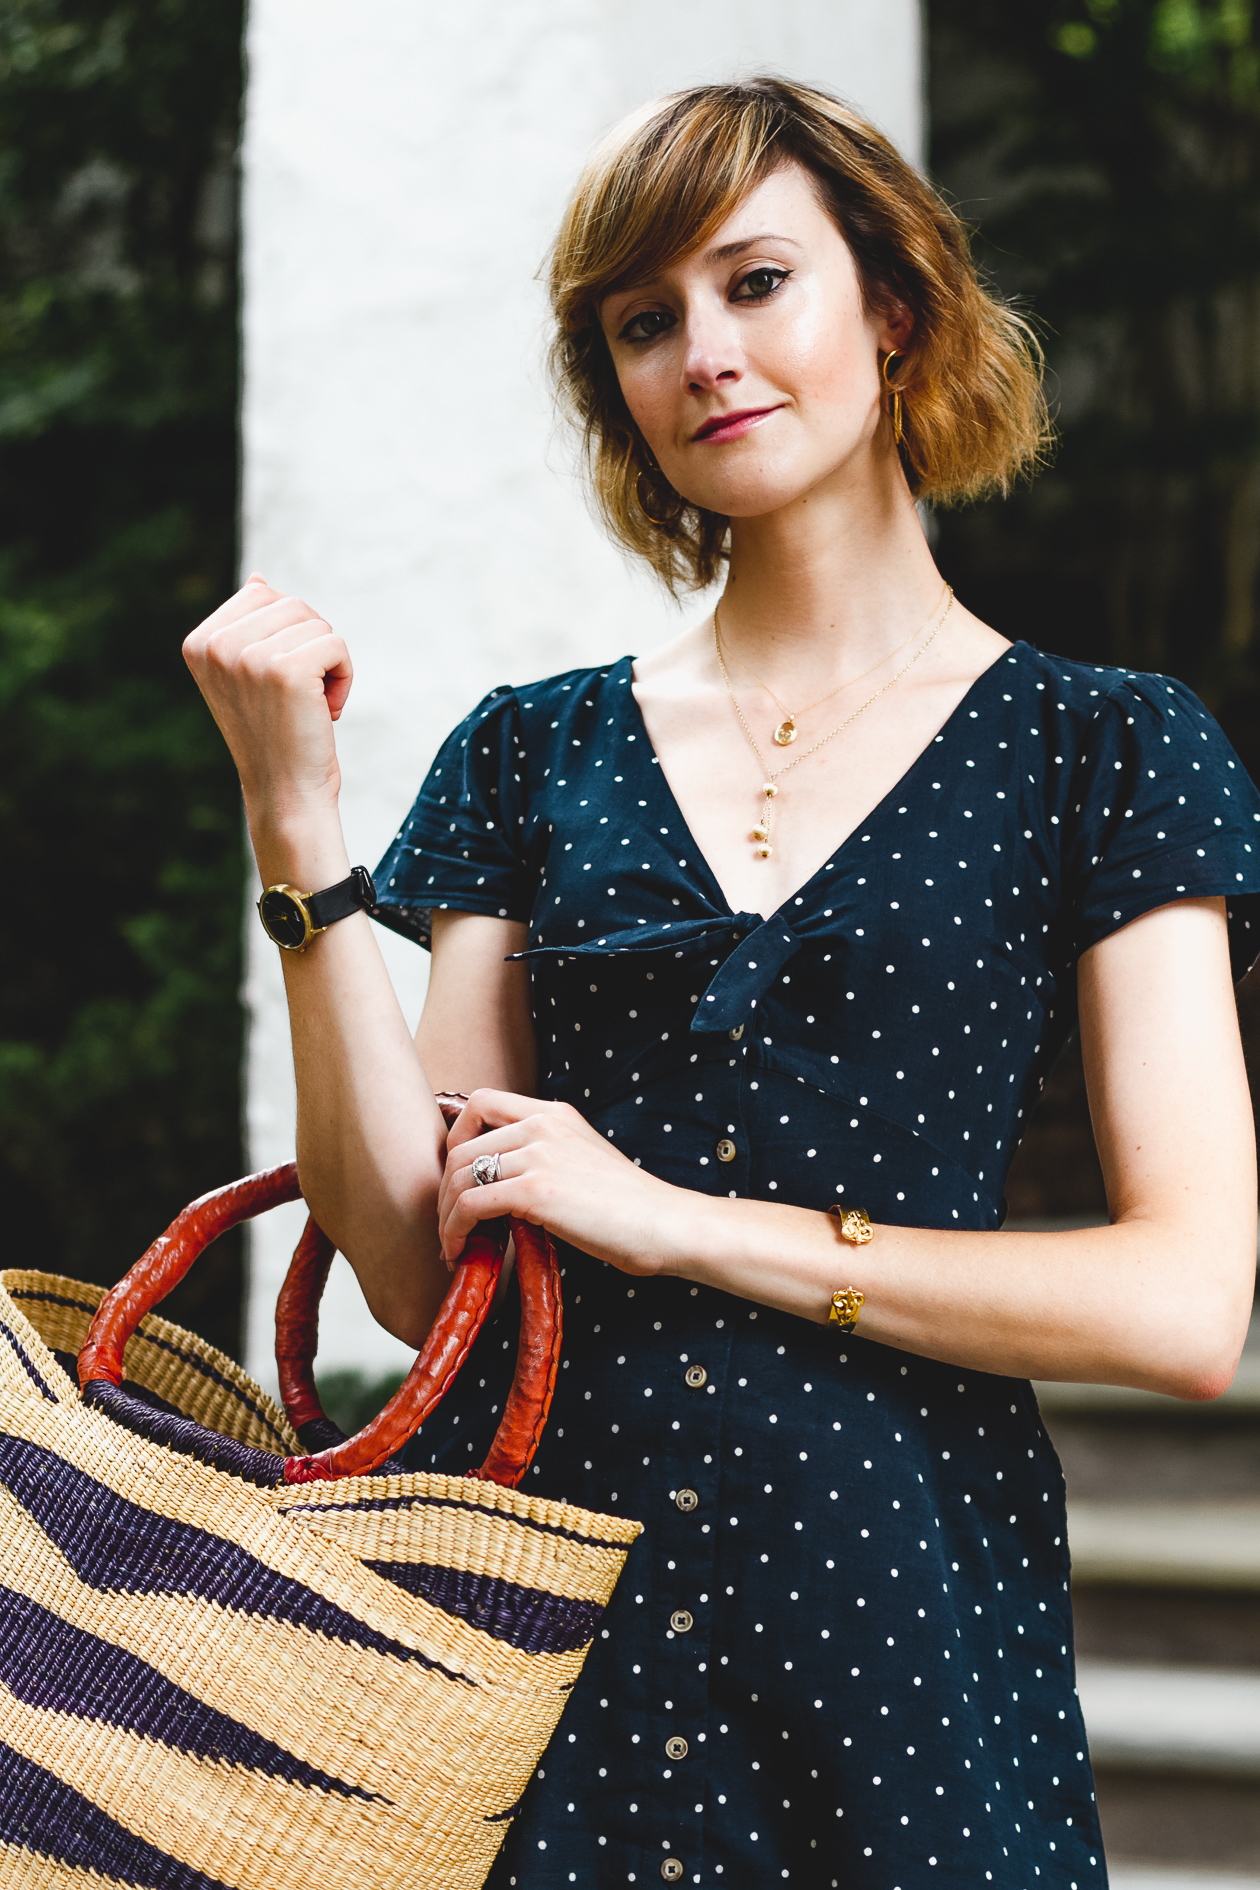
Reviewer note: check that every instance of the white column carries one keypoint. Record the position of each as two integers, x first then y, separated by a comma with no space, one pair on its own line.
405,165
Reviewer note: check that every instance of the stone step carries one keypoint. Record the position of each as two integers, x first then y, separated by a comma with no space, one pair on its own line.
1242,1397
1168,1627
1180,1823
1155,1877
1172,1545
1178,1720
1157,1458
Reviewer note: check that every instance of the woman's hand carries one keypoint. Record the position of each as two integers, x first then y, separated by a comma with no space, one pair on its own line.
558,1173
276,678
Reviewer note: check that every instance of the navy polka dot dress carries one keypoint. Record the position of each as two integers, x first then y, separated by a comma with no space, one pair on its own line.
841,1654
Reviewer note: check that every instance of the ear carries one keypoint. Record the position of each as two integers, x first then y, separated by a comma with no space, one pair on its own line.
896,325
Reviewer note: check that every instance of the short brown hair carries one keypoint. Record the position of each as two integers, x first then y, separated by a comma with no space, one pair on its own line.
974,415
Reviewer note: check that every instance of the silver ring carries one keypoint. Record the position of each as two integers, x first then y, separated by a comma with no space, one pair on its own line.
486,1170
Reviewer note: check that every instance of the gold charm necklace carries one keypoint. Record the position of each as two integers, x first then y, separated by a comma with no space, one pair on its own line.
772,777
786,732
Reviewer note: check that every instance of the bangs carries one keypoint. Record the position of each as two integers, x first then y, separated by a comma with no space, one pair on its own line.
660,186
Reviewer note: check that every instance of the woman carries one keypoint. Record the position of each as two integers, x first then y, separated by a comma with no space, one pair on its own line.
792,915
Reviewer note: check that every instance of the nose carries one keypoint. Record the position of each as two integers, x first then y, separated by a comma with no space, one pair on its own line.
713,357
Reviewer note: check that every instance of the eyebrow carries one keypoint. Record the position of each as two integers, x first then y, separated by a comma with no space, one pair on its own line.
727,252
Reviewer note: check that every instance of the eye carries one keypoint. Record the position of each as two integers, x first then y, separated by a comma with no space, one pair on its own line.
761,284
647,325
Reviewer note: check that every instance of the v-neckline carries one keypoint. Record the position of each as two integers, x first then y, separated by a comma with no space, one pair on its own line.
899,785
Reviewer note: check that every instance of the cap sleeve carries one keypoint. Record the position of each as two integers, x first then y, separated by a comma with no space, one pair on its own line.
1161,809
461,848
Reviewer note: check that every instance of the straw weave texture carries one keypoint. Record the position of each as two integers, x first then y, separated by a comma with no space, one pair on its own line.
181,1369
204,1683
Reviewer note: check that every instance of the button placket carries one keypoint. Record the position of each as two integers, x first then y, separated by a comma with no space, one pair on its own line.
728,1126
685,1593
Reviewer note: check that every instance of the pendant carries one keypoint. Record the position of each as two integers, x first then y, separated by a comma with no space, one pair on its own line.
761,832
785,734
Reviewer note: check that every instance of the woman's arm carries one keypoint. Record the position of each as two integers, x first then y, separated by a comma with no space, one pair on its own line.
477,1029
1158,1299
371,1140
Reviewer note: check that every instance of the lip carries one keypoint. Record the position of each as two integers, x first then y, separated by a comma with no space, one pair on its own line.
732,426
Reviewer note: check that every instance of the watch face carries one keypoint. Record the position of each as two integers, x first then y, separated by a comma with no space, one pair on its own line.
283,918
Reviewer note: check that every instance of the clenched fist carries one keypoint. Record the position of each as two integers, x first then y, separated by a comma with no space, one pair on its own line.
276,678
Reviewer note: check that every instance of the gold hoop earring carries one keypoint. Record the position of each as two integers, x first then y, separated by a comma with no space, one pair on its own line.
649,516
894,354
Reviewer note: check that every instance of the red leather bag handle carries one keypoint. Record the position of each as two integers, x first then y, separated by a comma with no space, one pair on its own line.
297,1325
461,1316
440,1359
166,1262
459,1319
297,1311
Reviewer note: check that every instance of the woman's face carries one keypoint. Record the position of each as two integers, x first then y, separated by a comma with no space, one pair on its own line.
751,367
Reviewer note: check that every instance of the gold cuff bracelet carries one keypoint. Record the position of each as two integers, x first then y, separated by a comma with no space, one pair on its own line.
845,1307
855,1227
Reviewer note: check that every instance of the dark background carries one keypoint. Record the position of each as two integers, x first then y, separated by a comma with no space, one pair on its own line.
120,832
1106,152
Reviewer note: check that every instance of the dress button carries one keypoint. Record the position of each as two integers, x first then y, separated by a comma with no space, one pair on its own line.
681,1621
726,1149
687,1499
736,1034
697,1376
672,1869
676,1748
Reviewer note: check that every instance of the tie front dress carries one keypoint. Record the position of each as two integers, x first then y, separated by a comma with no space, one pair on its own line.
841,1653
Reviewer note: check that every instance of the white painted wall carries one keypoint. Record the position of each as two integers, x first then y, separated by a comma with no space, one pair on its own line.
405,164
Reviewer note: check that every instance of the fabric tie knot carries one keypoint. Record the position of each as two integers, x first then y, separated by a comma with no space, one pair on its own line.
759,950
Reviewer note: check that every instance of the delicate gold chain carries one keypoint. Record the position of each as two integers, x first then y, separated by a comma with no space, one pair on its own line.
786,732
761,832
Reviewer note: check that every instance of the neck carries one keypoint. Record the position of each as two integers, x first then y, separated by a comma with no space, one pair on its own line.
831,583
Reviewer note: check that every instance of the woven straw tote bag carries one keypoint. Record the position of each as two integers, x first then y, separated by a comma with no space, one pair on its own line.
238,1650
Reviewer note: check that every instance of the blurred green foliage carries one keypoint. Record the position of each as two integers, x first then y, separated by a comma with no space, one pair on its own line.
120,1028
1108,153
353,1398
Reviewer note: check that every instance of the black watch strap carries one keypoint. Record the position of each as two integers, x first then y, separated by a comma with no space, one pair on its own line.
355,894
